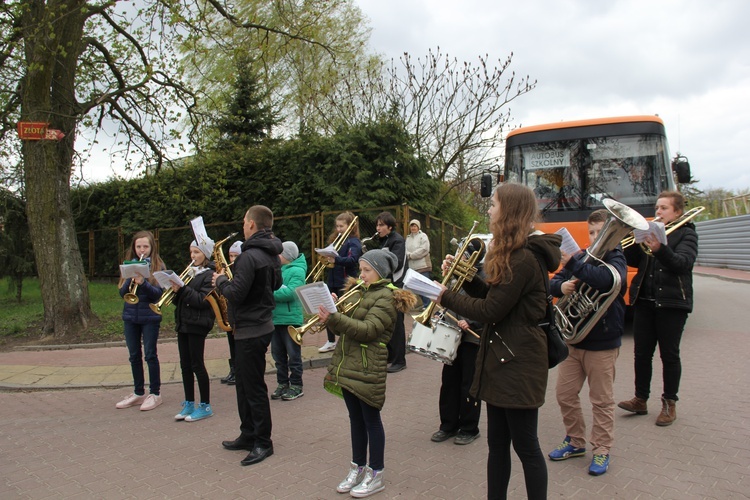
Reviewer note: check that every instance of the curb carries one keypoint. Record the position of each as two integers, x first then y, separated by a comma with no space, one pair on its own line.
718,276
308,364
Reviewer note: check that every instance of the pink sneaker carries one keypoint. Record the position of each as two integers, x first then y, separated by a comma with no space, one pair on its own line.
131,400
151,402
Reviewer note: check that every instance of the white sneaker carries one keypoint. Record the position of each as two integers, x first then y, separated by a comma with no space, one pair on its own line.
151,402
132,400
371,484
328,346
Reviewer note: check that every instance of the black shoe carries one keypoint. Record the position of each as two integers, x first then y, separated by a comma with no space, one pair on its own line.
441,436
257,455
465,438
231,380
393,368
230,375
238,444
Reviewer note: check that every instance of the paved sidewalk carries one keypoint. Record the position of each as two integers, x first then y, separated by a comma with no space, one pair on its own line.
75,444
90,367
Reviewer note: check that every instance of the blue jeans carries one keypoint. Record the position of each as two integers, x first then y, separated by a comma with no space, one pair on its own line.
288,357
149,334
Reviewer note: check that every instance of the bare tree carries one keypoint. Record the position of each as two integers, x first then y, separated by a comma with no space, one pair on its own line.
456,111
101,64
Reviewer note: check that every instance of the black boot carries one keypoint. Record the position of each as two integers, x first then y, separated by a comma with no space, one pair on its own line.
229,379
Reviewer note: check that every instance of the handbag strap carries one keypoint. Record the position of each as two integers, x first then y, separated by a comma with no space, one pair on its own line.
550,314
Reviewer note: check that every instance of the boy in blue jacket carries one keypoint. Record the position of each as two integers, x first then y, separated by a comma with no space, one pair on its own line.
592,358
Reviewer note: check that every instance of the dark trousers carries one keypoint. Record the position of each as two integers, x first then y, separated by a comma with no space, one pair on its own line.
397,344
149,334
191,348
230,341
252,393
506,426
287,355
366,428
652,326
458,410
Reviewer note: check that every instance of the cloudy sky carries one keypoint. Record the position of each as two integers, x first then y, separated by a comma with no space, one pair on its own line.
687,61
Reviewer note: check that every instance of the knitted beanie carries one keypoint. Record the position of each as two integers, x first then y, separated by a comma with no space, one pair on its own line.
206,246
382,261
290,251
416,223
236,247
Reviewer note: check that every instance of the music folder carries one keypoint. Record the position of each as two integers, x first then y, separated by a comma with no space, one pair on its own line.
314,295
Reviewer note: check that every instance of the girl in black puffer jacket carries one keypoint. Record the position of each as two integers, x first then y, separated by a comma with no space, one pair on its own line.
662,295
194,318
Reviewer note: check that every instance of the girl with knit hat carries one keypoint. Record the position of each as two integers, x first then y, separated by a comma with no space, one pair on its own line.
287,354
194,318
357,371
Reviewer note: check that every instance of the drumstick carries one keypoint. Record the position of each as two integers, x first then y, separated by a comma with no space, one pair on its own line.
457,320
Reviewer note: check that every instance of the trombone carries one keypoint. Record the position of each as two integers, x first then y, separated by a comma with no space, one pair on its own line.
168,295
131,297
669,227
317,271
314,325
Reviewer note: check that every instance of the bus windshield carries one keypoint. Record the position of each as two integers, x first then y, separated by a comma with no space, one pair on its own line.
576,173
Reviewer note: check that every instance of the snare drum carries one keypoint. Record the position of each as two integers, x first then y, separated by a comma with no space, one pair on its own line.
439,342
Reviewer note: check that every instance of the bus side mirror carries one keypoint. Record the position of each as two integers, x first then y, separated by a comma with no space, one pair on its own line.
486,190
681,168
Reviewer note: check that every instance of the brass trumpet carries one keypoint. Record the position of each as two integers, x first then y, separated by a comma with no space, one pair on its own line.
131,297
314,324
168,295
317,271
464,270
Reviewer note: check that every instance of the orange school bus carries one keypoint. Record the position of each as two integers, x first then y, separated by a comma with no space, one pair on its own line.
572,166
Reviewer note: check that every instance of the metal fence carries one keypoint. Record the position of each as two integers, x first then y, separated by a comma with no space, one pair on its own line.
103,249
724,242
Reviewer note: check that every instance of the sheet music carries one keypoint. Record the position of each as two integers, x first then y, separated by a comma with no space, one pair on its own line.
568,245
167,278
130,270
654,227
415,282
328,251
314,295
199,231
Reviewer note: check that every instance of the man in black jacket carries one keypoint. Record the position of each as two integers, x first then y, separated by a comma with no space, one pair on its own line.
256,274
385,225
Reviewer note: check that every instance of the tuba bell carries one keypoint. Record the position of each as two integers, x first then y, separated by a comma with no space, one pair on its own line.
577,313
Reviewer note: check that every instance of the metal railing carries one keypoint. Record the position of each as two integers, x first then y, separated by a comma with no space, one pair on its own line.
724,242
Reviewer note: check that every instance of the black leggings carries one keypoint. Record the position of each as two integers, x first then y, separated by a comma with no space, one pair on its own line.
366,426
506,426
191,349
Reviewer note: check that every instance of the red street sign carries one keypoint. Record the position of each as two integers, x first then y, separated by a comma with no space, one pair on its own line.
32,130
53,134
